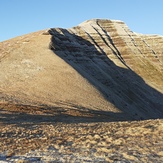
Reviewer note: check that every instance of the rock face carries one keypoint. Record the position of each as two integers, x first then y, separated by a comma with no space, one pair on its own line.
99,65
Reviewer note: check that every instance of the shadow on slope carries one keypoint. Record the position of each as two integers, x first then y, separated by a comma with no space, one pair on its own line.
22,115
120,86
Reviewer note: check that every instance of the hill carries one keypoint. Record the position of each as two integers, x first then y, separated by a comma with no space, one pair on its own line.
97,72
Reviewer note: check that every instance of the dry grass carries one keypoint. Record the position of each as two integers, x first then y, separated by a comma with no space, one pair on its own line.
139,141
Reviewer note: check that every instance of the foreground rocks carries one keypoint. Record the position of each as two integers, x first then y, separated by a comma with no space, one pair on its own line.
84,141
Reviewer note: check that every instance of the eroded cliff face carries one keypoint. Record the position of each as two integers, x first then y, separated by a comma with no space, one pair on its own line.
141,53
99,65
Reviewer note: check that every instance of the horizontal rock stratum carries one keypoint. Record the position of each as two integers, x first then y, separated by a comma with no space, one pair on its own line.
99,67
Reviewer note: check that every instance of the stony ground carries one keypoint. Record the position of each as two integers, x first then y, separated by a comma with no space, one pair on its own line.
27,137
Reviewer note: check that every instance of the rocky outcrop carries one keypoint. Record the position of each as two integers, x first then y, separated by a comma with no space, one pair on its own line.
116,61
98,65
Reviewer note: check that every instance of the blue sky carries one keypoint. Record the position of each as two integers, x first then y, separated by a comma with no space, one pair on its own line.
20,17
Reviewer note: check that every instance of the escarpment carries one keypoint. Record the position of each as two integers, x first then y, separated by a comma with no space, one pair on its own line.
99,66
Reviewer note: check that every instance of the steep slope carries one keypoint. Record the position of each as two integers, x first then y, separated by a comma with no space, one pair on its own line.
99,65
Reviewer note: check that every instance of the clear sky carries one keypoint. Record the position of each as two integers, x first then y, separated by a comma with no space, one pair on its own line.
18,17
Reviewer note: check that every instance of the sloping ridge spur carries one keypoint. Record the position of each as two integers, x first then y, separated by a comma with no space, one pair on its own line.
98,67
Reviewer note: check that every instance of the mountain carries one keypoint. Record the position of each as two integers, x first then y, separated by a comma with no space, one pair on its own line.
65,92
99,65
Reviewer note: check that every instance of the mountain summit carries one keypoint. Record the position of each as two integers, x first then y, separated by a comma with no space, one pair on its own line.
99,67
